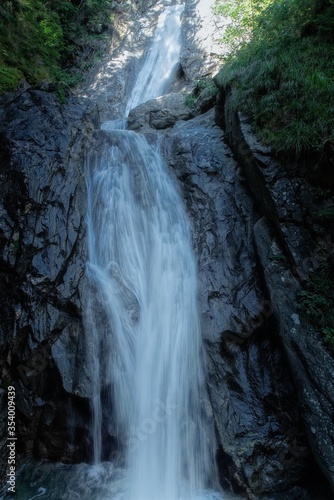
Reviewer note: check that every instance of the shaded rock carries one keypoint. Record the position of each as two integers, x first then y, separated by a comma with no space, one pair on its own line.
252,395
290,244
42,254
160,113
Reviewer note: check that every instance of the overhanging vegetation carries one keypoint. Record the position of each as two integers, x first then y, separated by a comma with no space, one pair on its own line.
281,69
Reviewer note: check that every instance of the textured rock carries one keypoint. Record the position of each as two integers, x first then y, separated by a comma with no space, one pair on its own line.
110,81
291,233
43,205
201,30
159,113
252,395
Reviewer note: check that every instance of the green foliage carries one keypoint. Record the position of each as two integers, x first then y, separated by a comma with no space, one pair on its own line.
190,100
329,337
316,299
205,87
325,214
242,16
9,78
278,257
283,77
44,39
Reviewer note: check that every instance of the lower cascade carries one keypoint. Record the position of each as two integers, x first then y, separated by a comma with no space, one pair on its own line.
145,321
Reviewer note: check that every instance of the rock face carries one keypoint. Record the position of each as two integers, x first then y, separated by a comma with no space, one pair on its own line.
201,30
109,83
253,398
290,230
268,372
159,114
43,256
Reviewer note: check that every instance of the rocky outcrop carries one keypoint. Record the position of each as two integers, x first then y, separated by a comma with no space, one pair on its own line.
159,114
110,81
201,30
268,372
262,443
43,206
290,245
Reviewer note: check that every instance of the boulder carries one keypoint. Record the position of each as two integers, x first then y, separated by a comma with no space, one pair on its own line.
159,114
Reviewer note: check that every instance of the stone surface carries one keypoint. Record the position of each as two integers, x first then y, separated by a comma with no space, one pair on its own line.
201,30
268,372
290,244
43,256
110,81
250,385
159,114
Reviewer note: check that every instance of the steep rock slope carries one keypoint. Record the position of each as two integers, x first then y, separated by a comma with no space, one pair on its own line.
43,255
291,231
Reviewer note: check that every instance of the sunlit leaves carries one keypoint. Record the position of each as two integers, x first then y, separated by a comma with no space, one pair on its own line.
282,78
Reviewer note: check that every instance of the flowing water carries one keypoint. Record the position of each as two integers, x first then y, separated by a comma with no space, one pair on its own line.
141,318
142,264
142,261
144,273
162,60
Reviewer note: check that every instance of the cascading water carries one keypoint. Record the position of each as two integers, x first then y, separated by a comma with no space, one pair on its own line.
142,314
162,60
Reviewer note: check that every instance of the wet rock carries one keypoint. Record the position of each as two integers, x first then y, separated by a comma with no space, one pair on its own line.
290,244
252,394
310,361
43,206
160,113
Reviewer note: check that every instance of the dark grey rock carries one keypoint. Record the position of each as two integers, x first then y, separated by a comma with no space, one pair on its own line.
250,386
43,257
159,114
290,244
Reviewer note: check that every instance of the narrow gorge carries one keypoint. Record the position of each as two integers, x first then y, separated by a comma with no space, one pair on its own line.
151,258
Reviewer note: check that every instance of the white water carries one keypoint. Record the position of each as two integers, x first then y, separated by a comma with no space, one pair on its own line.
159,68
142,318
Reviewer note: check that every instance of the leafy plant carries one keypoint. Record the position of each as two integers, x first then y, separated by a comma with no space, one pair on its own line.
326,213
281,76
9,78
190,100
316,300
45,39
204,85
242,17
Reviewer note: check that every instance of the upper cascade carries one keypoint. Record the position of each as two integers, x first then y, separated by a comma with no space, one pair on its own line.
162,60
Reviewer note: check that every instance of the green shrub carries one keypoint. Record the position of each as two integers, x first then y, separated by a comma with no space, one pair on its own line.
316,300
190,100
43,39
204,84
9,78
283,77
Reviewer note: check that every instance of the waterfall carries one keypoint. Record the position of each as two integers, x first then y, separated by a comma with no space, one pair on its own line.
162,60
141,318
